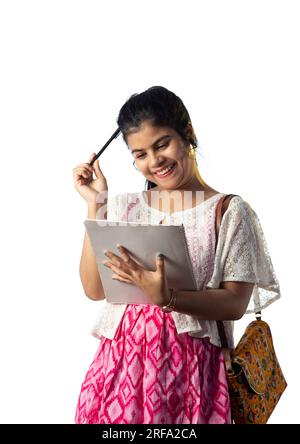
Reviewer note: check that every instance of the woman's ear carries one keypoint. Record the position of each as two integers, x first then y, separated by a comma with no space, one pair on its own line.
189,133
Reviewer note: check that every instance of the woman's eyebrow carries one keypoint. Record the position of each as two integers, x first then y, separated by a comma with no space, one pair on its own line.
154,143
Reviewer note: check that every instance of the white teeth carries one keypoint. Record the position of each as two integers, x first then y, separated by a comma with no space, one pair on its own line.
165,170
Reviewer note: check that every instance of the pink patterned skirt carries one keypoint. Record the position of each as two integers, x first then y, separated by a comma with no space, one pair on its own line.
150,374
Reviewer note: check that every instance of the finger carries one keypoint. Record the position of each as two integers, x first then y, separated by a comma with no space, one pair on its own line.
119,278
113,258
82,171
117,270
92,156
124,254
160,263
117,260
79,179
134,264
97,170
84,165
121,273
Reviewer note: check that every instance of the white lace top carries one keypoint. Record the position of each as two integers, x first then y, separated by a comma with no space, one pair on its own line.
241,255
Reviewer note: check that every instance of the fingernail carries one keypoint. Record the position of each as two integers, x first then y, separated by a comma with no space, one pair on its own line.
160,255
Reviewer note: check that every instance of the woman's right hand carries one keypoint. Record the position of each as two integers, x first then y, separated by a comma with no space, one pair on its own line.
88,187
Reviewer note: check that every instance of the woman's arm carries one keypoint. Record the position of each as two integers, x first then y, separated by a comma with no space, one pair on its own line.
88,269
229,302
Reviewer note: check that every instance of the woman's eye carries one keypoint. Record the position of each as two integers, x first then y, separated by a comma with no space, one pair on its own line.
162,146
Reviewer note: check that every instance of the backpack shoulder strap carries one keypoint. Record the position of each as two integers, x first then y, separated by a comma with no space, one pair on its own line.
221,207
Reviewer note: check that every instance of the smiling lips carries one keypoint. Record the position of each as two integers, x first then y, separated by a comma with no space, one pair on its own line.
166,171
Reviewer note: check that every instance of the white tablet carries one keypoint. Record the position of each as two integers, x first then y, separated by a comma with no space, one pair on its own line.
143,241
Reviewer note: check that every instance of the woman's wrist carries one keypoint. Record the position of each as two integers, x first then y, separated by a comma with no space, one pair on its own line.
92,210
165,298
95,211
171,304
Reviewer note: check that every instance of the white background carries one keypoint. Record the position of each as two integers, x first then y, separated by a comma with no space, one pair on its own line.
67,67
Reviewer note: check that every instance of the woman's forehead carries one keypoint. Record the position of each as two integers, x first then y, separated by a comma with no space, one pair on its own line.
147,135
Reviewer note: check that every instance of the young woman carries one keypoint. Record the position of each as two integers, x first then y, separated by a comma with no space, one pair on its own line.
163,363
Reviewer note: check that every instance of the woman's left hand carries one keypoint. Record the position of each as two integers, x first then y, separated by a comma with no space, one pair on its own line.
152,283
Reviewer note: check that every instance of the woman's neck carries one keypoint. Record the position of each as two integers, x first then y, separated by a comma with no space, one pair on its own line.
192,184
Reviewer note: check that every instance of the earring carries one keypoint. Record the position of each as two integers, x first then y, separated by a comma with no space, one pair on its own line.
191,152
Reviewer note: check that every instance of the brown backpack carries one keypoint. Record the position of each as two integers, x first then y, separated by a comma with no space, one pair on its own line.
254,376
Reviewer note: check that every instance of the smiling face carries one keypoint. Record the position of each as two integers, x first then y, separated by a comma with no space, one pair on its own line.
161,156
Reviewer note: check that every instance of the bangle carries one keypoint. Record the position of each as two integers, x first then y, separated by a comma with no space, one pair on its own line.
171,304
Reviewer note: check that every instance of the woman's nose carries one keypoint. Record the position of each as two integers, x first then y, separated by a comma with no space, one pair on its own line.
156,160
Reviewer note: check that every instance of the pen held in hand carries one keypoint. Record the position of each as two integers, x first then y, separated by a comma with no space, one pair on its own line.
115,134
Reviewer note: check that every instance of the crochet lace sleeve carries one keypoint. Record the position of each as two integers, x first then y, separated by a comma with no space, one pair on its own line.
242,255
